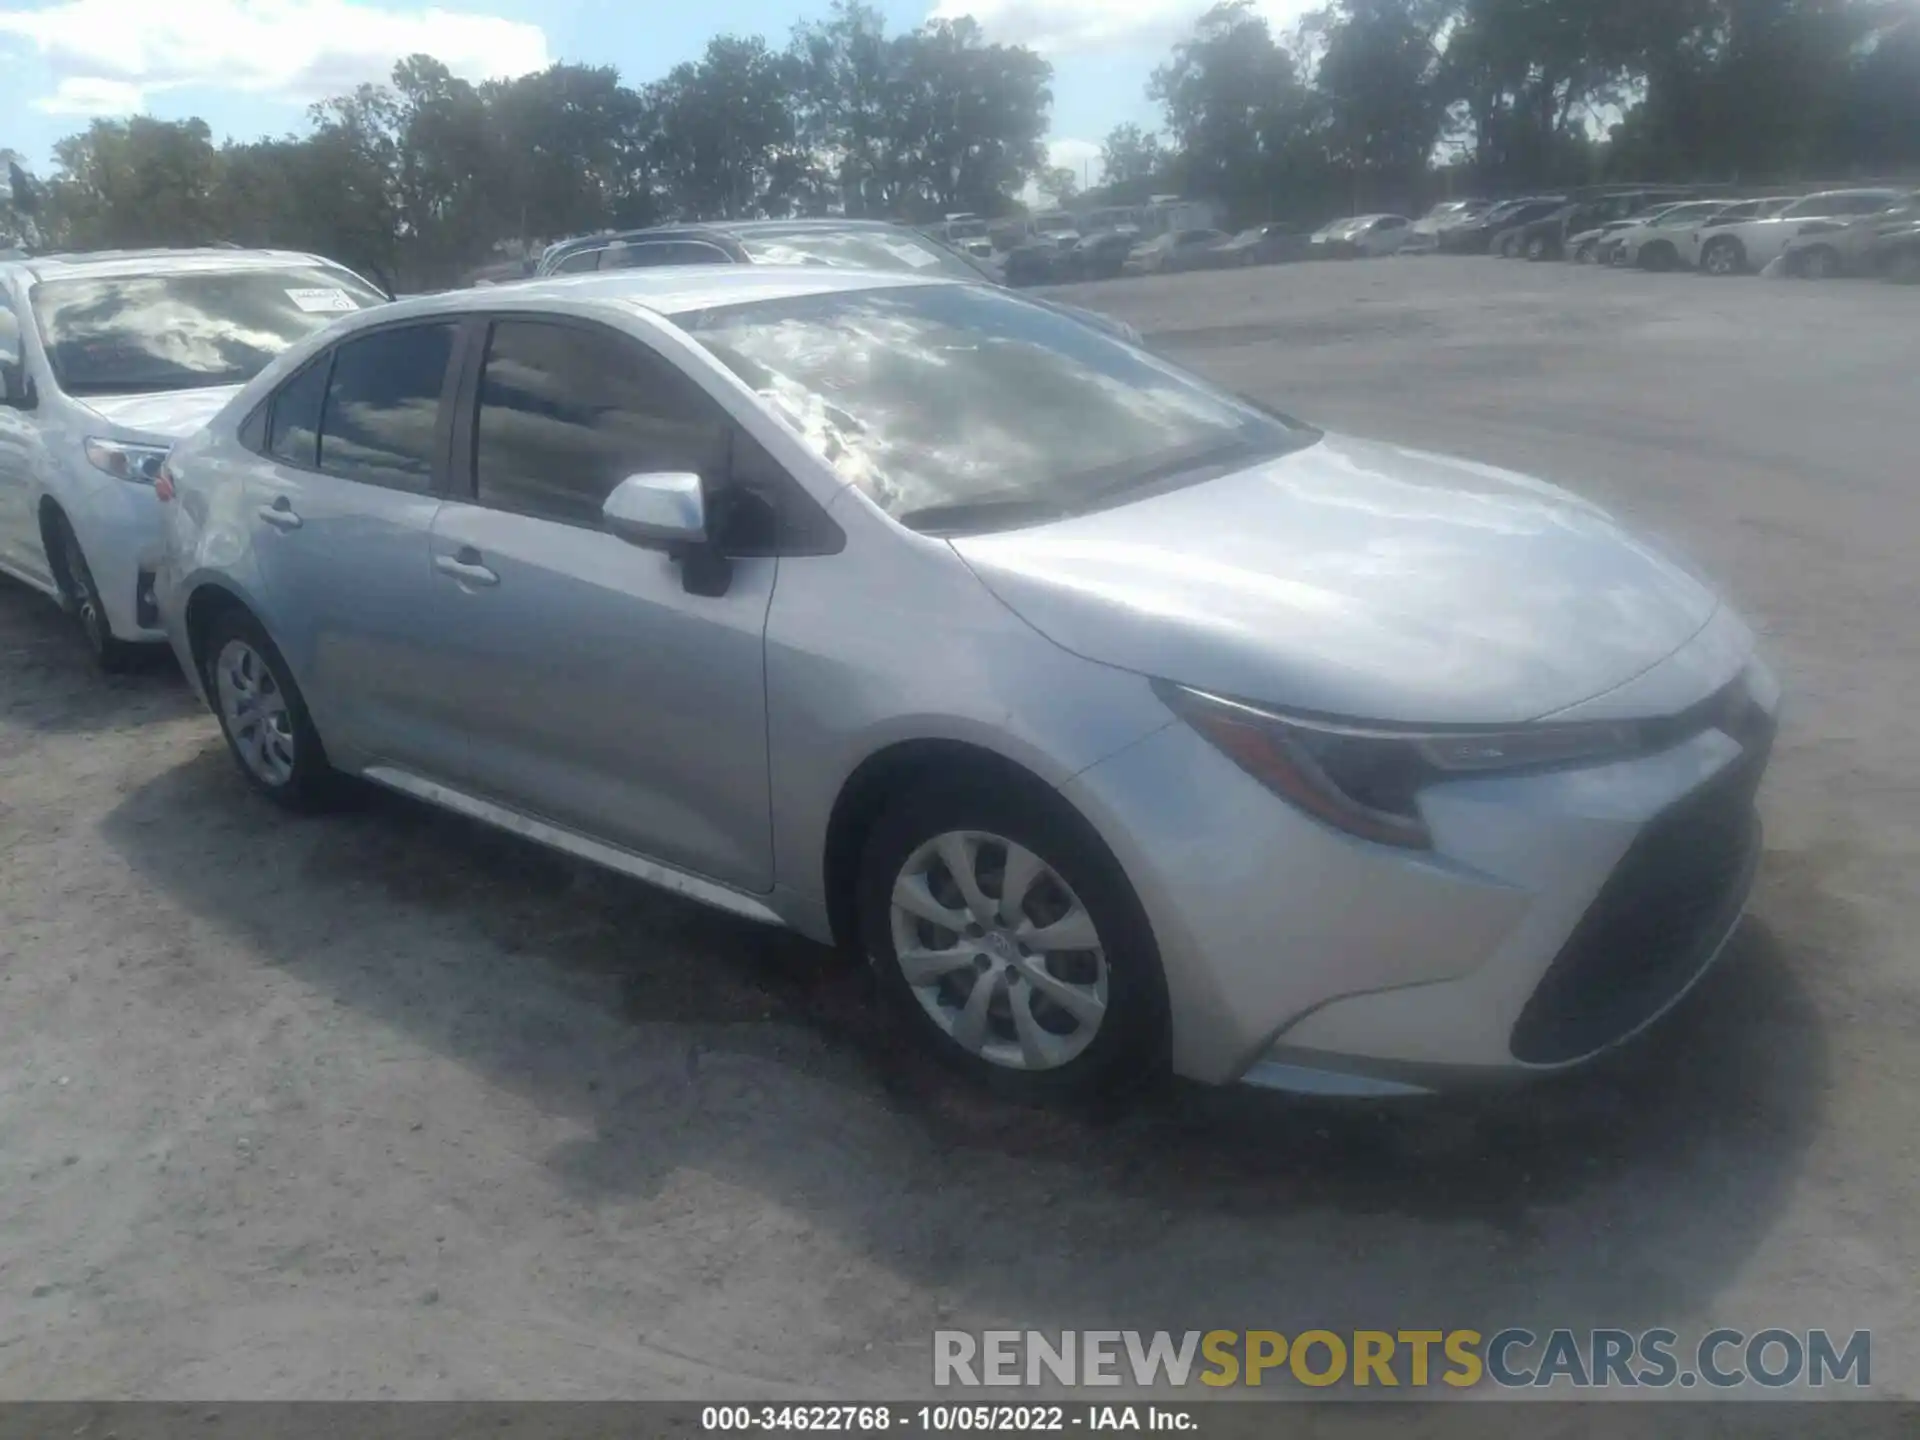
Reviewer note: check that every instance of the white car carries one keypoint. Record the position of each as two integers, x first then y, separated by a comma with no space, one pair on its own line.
1654,243
1825,249
1369,235
1736,212
106,360
1757,243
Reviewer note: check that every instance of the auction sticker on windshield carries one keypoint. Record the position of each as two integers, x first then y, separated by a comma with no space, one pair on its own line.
321,301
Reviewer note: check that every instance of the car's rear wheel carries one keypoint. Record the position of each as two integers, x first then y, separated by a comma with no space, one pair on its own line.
1724,255
1537,247
1007,936
82,594
263,715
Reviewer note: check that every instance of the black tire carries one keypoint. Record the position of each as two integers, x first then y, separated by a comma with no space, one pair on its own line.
1537,248
1723,255
1128,1049
312,784
82,596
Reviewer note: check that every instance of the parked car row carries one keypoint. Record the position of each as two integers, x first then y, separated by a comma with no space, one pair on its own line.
1863,231
861,599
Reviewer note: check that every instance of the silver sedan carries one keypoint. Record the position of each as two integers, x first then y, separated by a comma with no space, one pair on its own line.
1119,722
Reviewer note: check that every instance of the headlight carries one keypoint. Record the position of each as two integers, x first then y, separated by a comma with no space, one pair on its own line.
137,463
1367,781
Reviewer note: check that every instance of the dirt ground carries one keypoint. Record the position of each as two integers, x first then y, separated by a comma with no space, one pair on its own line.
386,1105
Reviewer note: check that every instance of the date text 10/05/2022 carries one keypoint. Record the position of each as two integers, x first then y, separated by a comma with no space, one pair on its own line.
876,1419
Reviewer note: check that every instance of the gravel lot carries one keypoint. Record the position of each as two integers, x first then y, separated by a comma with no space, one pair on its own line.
387,1105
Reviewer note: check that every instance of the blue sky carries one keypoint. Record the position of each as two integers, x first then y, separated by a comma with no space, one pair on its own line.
249,67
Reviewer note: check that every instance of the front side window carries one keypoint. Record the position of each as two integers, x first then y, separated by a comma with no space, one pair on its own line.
565,413
956,407
858,249
138,334
579,262
380,423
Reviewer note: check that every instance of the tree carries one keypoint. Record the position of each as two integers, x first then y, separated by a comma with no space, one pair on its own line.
1236,109
137,182
847,72
1131,156
1378,84
971,117
727,145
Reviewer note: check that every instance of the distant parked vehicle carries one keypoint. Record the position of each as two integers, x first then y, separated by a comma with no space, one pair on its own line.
1362,236
1754,244
106,360
1099,256
1826,249
1263,245
1735,212
1034,263
1423,237
1547,238
1058,229
1477,236
1654,244
1176,250
1895,254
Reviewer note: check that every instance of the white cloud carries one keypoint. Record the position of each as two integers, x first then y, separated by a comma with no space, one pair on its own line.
109,56
1071,27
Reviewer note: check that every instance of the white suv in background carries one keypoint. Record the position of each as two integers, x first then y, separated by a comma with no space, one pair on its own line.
107,359
1737,212
1753,245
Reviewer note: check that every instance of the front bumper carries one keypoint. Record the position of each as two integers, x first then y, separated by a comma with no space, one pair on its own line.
119,526
1301,958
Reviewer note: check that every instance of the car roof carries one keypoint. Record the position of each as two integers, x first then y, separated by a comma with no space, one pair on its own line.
668,289
162,262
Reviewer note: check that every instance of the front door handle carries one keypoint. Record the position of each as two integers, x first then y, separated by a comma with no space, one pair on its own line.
280,514
465,566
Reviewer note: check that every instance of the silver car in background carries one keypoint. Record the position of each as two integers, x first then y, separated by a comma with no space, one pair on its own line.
1119,722
106,359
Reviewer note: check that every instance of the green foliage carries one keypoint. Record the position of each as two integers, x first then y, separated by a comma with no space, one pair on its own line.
422,179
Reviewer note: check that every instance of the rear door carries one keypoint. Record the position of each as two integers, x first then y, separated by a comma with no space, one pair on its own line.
22,455
357,451
598,692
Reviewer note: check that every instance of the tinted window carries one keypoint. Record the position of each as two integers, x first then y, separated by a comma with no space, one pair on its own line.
381,419
566,413
580,261
136,334
294,431
960,407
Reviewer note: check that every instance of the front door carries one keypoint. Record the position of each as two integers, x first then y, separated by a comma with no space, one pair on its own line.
598,693
341,519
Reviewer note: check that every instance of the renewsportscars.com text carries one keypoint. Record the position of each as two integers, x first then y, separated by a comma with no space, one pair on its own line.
1513,1358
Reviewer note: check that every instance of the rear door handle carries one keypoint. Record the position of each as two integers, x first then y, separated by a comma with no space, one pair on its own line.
280,514
465,566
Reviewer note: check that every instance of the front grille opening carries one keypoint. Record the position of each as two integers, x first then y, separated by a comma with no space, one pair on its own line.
1654,925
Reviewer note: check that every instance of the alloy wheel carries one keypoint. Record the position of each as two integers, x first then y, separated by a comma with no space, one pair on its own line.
999,951
254,709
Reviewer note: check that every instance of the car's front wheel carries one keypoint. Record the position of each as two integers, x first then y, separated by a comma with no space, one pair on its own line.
1537,248
263,715
82,595
1723,256
1007,935
1820,262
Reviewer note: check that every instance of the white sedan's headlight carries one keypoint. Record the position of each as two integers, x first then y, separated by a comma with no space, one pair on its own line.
137,463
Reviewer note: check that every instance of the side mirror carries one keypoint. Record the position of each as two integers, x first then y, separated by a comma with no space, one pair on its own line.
662,511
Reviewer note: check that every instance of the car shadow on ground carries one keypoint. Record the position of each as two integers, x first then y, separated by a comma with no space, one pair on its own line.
679,1037
54,687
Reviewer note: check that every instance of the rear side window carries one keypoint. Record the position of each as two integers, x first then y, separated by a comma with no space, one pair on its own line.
381,420
576,264
664,252
565,413
293,433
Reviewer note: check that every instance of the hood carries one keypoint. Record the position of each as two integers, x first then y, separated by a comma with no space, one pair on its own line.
1360,580
167,415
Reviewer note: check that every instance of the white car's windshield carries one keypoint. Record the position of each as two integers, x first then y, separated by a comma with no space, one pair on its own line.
961,408
857,249
136,334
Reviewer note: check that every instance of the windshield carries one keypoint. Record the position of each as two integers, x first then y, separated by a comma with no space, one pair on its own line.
137,334
958,408
858,249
